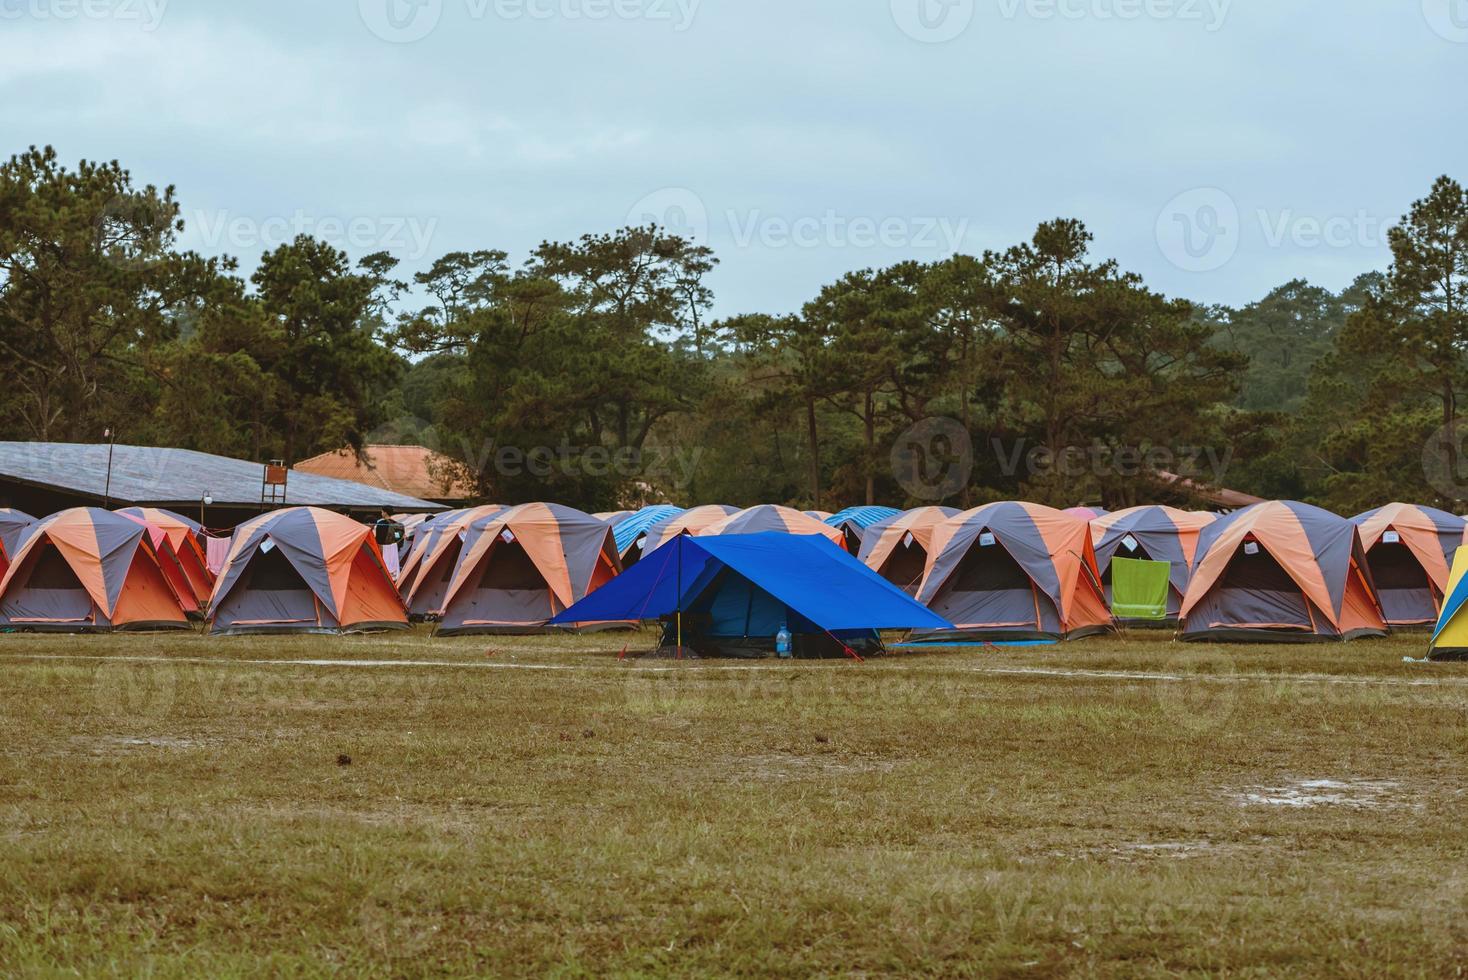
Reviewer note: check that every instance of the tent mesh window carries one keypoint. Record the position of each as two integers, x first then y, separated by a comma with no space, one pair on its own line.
1407,595
1263,592
52,572
990,569
271,571
510,569
906,566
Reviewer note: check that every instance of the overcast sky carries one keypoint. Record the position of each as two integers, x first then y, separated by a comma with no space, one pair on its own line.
1217,147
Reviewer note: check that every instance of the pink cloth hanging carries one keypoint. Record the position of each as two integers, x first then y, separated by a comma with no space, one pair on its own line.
217,552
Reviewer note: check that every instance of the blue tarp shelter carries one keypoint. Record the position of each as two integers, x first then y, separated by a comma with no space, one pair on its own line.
744,587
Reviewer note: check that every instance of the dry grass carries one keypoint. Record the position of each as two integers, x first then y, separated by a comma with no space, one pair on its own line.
176,807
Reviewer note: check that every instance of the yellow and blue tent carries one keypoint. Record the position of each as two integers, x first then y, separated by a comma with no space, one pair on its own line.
1450,639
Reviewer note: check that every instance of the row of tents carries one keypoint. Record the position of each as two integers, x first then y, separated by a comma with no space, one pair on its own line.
1005,572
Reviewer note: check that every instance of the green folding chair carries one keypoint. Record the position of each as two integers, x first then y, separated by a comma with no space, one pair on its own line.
1139,589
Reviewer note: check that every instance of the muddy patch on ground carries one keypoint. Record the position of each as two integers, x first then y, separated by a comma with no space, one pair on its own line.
1304,794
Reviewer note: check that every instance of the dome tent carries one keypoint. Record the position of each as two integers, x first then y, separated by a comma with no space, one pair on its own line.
1014,571
12,523
184,538
520,569
696,522
632,530
1410,552
1159,534
435,556
304,570
897,548
89,570
1281,572
780,520
855,521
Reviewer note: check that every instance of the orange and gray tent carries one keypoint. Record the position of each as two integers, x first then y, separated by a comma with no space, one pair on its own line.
1014,571
12,522
425,577
184,538
304,570
1281,572
1410,552
88,570
897,548
518,571
1160,534
770,518
1085,513
695,522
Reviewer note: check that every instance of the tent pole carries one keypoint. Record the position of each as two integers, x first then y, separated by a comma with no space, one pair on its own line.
679,598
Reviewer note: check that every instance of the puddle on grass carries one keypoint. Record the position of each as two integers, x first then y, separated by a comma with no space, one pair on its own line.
781,768
111,744
1360,794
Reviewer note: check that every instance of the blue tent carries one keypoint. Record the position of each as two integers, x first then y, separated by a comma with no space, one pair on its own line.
742,588
862,517
629,529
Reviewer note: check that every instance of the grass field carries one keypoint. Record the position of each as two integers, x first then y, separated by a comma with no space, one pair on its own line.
1123,806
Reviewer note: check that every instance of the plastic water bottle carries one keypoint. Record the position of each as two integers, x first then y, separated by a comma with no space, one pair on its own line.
783,641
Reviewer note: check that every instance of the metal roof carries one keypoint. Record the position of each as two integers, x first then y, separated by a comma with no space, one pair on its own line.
411,470
156,477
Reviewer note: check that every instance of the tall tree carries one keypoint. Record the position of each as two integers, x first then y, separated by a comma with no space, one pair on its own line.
90,284
321,345
1410,341
1098,360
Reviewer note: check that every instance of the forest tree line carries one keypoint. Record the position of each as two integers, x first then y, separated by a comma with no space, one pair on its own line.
1074,382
